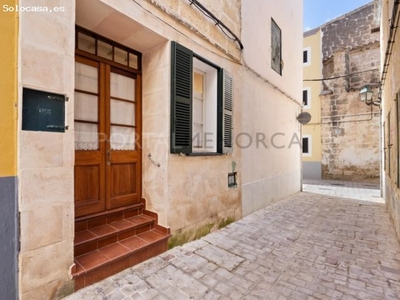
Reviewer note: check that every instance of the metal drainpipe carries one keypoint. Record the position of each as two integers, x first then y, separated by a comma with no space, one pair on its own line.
394,23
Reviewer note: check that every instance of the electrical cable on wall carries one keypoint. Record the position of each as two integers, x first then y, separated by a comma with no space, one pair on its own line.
230,57
248,68
394,24
224,28
218,22
341,76
372,114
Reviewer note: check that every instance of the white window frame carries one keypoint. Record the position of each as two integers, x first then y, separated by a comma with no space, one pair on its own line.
203,99
308,49
210,111
308,89
309,137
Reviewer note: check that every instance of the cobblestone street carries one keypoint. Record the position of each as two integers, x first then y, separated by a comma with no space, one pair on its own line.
308,246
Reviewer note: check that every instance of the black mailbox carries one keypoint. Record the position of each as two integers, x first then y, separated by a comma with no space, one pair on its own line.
43,111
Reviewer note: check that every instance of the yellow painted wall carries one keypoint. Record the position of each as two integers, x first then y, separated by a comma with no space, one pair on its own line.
313,71
8,91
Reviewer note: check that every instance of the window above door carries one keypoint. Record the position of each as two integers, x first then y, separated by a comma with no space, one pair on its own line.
92,44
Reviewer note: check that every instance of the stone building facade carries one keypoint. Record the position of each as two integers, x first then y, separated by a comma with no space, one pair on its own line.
390,78
122,147
350,128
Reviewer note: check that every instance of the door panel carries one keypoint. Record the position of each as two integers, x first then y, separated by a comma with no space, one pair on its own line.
107,159
121,187
123,192
87,176
89,149
123,172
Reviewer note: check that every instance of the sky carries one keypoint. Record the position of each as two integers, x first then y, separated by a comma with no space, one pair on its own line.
318,12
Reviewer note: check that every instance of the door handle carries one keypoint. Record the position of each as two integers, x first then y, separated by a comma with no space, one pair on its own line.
108,152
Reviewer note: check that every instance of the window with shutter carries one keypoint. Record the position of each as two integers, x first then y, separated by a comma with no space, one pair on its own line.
398,138
307,56
201,105
306,97
307,145
389,146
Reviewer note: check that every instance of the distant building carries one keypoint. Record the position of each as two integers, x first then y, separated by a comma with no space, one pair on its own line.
349,129
311,134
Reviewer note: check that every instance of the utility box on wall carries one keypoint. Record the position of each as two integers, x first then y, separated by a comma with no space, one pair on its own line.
43,111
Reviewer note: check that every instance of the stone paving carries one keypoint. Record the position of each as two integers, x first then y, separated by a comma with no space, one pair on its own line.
352,190
307,246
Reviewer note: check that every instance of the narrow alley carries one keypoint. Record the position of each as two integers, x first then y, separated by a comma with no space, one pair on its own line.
200,149
307,246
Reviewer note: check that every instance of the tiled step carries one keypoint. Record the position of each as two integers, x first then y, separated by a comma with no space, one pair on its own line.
97,237
109,242
107,217
96,265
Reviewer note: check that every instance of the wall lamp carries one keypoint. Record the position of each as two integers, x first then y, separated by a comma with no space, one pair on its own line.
366,95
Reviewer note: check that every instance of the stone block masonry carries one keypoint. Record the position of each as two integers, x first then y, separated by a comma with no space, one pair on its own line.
350,31
350,128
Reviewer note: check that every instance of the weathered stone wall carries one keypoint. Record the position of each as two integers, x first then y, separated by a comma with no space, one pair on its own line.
350,31
350,128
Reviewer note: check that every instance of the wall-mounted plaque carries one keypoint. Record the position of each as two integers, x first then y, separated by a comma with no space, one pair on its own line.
43,111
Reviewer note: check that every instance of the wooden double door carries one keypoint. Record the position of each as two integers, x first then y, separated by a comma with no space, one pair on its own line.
107,137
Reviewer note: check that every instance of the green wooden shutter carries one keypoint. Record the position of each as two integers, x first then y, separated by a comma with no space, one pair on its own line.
227,112
181,99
